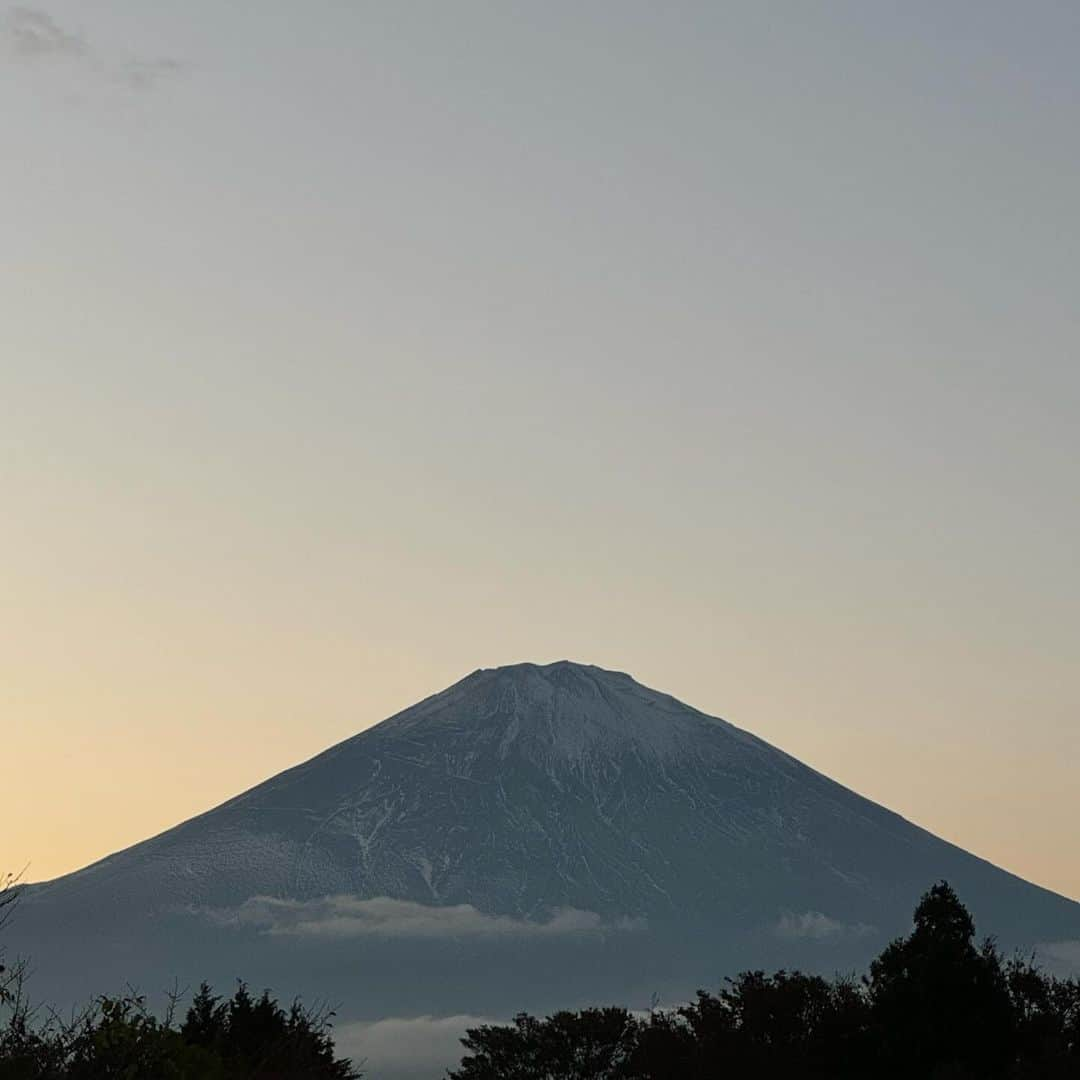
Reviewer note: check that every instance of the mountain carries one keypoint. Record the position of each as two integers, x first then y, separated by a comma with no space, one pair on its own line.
526,813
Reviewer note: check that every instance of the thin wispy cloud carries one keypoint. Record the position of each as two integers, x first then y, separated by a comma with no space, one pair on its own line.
34,36
815,926
145,74
347,916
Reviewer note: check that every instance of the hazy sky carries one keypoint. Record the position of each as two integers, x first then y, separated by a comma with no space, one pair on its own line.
348,347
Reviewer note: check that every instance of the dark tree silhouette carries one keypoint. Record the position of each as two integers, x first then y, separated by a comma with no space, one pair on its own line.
782,1022
934,1005
256,1037
9,895
594,1044
241,1039
1046,1013
941,1004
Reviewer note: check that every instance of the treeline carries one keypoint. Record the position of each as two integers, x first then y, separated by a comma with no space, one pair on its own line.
243,1038
934,1006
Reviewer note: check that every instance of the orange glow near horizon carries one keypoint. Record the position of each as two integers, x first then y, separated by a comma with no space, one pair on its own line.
345,355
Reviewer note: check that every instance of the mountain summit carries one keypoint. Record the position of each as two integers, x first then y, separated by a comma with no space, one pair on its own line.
522,791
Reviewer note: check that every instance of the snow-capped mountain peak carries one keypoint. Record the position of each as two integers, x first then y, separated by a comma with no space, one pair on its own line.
524,790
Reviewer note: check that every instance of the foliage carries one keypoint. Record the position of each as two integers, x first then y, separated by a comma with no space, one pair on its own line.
243,1038
9,894
934,1005
940,1004
594,1044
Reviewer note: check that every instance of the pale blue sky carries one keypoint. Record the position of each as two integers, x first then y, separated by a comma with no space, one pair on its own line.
348,347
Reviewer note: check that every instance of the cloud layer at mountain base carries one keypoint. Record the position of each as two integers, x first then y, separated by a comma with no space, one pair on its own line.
347,917
406,1046
816,926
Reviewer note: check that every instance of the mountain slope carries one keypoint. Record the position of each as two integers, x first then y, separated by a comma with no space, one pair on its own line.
524,790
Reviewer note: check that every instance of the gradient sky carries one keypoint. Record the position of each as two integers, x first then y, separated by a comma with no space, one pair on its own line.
348,347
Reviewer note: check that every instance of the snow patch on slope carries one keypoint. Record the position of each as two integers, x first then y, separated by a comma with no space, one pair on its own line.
561,712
